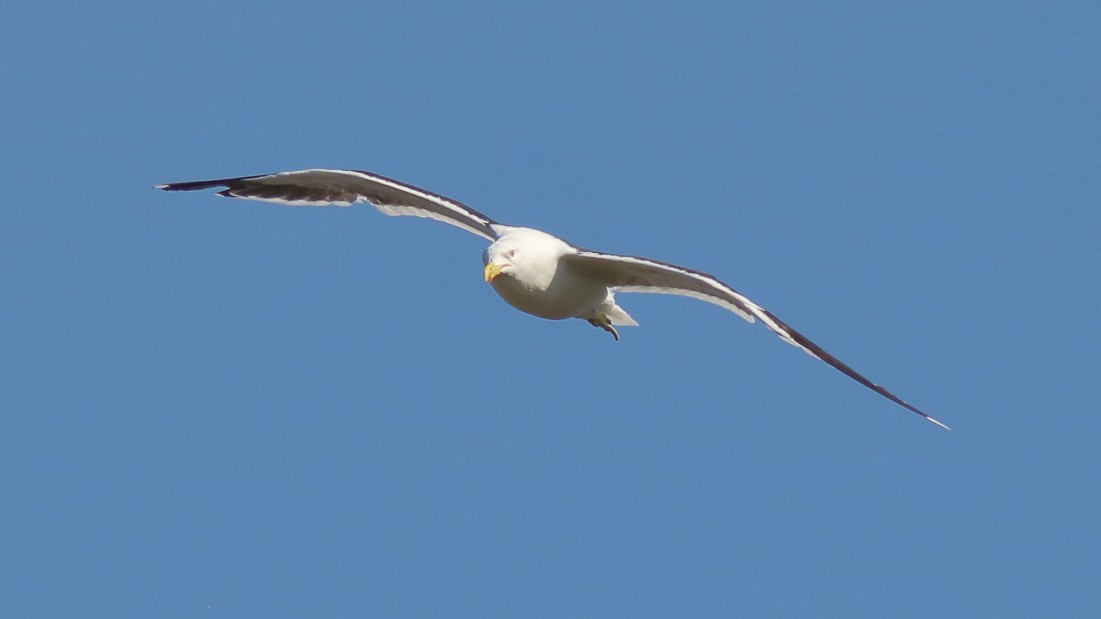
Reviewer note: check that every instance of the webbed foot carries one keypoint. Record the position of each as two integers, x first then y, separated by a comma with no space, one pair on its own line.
605,324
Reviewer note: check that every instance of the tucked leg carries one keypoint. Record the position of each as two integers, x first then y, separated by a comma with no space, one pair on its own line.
605,324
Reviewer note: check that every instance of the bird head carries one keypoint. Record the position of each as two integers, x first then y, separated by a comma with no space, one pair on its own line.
528,256
499,259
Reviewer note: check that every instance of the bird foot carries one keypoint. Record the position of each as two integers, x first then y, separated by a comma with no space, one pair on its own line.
606,325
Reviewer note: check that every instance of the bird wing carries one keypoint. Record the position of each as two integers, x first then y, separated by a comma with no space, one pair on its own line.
634,274
344,188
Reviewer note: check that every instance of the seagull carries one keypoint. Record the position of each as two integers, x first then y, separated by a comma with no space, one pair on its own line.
533,271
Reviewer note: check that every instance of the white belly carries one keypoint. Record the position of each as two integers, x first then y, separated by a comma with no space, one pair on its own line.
566,296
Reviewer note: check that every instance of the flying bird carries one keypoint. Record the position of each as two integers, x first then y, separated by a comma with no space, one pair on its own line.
533,271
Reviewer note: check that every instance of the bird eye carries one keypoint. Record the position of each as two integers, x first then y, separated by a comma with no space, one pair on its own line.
512,253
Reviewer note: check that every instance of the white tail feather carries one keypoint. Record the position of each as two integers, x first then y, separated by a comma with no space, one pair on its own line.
618,317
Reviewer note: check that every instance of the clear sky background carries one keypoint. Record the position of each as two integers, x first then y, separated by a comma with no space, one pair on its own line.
216,408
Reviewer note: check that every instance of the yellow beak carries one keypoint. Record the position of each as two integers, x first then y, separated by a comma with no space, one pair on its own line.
491,271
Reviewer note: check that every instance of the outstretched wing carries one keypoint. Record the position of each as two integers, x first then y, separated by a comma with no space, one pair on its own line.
344,188
633,274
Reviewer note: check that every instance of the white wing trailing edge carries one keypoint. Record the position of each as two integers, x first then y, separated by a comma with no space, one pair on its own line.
344,188
634,274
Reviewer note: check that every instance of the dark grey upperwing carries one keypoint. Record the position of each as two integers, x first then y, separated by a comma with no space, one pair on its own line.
344,188
634,274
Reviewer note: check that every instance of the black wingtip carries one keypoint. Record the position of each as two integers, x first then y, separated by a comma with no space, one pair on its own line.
191,185
820,353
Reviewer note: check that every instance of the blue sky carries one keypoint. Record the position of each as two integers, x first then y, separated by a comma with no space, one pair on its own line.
218,408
